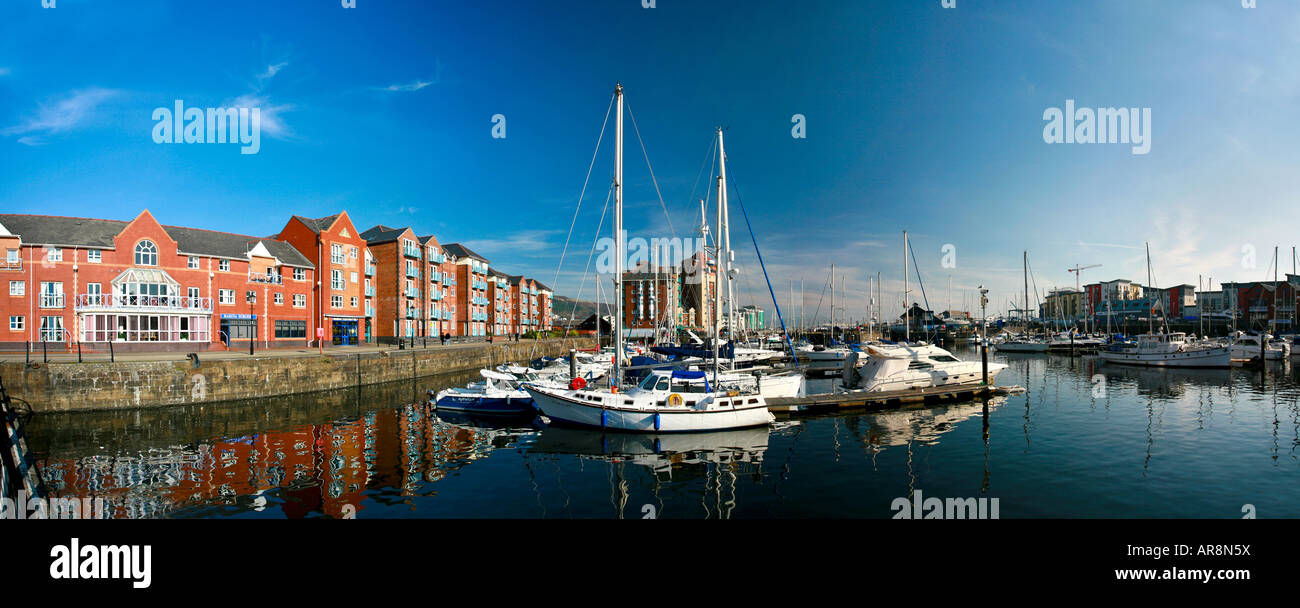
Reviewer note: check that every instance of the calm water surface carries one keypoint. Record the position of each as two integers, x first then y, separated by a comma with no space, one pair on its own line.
1087,440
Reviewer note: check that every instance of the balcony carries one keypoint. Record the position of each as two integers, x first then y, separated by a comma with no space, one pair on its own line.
370,311
273,278
411,252
370,291
14,264
435,296
95,302
412,272
434,275
370,270
412,292
412,313
51,300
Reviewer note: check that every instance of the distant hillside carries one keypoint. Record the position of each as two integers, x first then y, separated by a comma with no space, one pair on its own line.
563,308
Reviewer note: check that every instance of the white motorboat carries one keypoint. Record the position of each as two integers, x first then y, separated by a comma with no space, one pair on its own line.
825,360
904,366
1246,347
1168,350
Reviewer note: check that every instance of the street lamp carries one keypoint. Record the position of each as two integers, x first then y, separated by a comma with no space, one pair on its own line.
252,299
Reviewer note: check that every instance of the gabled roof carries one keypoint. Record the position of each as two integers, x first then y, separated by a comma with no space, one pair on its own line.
461,251
497,273
382,234
85,232
424,240
541,286
317,225
515,279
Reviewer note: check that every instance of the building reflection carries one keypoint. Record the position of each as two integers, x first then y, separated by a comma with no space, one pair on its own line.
316,469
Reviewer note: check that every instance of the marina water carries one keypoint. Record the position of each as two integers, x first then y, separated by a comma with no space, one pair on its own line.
1087,440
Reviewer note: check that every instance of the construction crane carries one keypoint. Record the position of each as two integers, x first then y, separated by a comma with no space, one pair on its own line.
1077,270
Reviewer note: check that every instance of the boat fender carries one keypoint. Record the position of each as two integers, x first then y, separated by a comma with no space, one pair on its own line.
656,421
604,418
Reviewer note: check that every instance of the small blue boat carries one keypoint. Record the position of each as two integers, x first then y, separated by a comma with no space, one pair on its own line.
497,393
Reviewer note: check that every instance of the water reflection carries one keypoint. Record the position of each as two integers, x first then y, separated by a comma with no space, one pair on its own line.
1185,441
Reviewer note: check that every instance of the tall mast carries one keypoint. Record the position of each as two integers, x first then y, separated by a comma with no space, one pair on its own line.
1025,313
1273,323
1151,311
725,255
907,309
717,285
832,303
618,235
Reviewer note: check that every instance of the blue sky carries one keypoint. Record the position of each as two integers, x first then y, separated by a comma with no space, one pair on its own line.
918,117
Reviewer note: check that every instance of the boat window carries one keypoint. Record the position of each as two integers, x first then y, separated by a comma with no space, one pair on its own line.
919,365
944,358
663,384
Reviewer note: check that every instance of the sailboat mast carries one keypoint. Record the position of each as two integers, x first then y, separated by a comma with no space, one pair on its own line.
907,310
618,235
832,303
725,255
717,284
1025,313
1151,309
1273,324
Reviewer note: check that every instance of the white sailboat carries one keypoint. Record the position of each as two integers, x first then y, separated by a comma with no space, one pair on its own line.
686,402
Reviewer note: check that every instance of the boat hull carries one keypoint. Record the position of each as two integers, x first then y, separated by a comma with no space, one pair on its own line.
1021,348
486,405
567,411
1208,358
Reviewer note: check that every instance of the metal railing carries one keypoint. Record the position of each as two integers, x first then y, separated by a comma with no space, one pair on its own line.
52,300
7,264
96,300
273,278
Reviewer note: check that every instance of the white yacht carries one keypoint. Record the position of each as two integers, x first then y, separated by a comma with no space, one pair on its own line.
1021,345
1246,347
1168,350
904,366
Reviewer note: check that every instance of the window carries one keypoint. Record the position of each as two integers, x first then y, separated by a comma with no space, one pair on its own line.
11,256
336,301
17,288
51,294
354,277
51,329
95,294
194,262
53,254
15,323
226,296
194,295
353,253
279,298
250,297
146,253
223,265
336,280
291,329
299,274
354,301
336,253
94,256
299,300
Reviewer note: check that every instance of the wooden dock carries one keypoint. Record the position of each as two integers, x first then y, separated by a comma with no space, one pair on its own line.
884,400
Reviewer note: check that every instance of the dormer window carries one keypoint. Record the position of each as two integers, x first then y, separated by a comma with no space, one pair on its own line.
146,254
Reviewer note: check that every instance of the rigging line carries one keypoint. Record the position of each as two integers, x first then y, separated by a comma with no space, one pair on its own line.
772,292
822,297
654,181
583,285
585,180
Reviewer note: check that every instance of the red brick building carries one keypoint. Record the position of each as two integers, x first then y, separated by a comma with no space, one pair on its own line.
145,286
441,288
343,292
472,299
401,303
504,322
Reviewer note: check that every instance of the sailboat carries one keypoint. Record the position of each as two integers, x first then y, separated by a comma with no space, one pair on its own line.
687,402
1023,344
1167,349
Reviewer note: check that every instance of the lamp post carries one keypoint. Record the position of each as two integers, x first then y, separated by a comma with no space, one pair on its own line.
984,333
252,299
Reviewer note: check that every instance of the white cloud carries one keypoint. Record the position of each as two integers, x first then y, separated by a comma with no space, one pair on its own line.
271,70
271,113
63,114
406,88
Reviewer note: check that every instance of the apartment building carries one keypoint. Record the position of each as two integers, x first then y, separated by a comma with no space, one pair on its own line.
472,298
440,288
401,303
145,286
504,321
344,291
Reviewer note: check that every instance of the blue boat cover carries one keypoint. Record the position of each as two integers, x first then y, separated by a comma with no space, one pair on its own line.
726,351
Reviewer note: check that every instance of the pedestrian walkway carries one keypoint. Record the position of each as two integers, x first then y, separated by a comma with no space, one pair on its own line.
62,356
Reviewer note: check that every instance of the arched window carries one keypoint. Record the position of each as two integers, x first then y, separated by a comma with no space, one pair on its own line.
146,254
